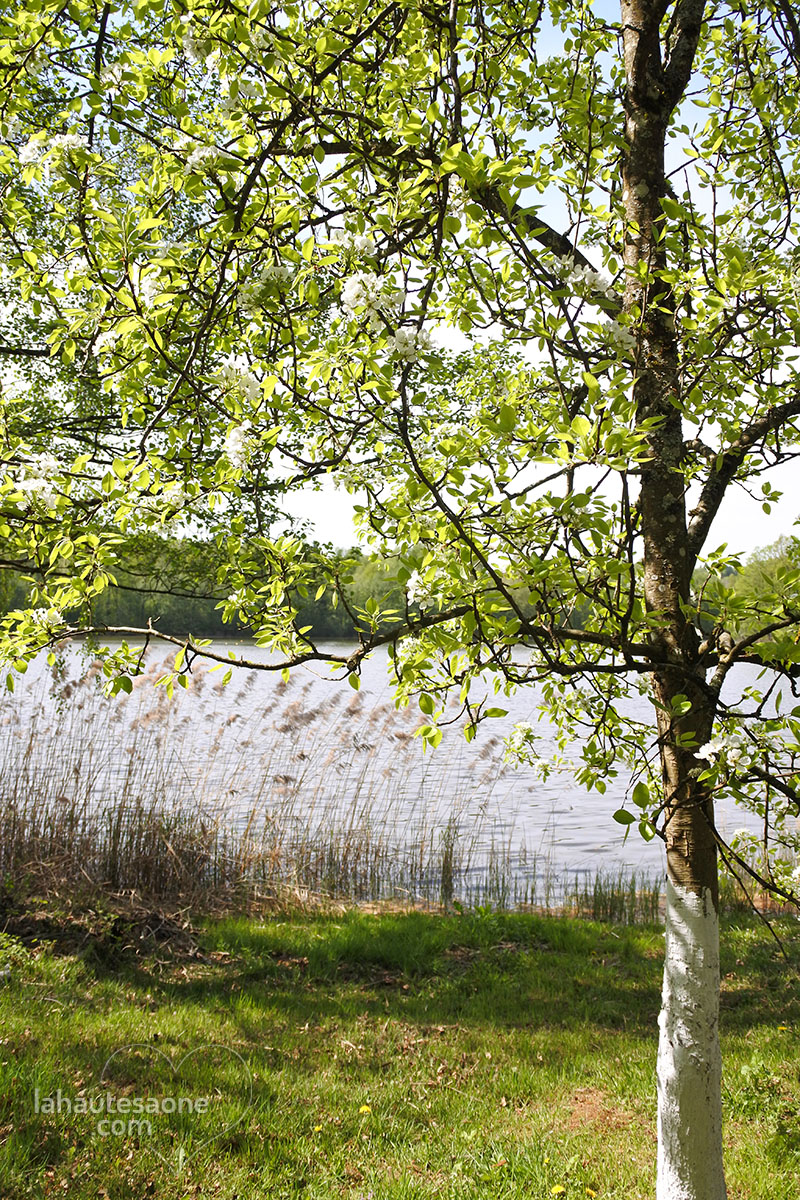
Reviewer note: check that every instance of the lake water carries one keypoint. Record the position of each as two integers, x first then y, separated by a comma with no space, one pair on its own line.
316,756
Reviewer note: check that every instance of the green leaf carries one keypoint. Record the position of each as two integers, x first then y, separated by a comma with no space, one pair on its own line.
623,817
646,830
641,795
507,418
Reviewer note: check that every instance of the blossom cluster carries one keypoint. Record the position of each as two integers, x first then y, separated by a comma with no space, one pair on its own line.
371,294
409,343
34,481
196,47
35,60
238,598
725,748
457,197
111,77
246,91
162,507
359,244
148,287
203,159
235,376
620,335
105,342
415,588
520,746
586,280
519,738
253,295
276,272
61,143
47,618
238,446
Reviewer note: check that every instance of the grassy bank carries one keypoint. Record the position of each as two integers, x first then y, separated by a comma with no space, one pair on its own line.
395,1055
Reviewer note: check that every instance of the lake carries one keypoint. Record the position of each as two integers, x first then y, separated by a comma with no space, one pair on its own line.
312,757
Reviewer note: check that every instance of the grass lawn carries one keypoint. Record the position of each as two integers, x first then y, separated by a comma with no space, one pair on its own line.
389,1056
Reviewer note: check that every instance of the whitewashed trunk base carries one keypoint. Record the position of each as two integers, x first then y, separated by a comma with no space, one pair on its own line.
689,1060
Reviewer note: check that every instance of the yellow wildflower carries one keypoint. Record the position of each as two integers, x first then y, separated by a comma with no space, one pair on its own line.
365,1108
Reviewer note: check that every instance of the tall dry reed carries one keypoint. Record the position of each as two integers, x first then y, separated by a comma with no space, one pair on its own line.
228,794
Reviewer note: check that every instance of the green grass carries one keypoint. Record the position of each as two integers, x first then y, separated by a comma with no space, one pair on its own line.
397,1055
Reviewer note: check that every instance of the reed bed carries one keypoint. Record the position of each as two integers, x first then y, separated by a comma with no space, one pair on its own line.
228,798
224,798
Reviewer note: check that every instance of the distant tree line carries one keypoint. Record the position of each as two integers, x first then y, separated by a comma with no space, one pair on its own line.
173,583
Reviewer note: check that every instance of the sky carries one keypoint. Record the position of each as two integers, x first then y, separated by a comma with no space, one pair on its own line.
742,523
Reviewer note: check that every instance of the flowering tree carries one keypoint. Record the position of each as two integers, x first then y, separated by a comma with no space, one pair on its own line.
254,232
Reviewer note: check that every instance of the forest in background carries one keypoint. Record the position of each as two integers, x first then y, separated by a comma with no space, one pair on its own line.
173,583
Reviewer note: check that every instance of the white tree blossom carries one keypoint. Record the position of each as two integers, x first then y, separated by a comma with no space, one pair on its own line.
104,342
254,294
35,482
415,588
203,159
239,445
235,375
148,287
620,335
47,619
726,748
359,244
366,292
408,343
585,280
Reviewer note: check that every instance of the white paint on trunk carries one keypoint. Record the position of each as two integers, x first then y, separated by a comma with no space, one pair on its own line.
689,1060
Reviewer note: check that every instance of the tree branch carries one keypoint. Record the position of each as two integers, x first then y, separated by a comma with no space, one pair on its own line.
728,464
25,351
686,34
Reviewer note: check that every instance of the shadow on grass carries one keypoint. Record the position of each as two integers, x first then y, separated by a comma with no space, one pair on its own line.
392,1005
501,970
496,971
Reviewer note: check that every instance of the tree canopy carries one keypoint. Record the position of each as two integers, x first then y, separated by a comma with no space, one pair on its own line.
238,240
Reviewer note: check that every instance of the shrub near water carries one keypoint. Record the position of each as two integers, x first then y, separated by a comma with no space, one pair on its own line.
225,799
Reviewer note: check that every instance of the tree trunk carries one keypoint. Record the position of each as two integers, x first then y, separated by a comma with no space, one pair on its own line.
689,1062
689,1072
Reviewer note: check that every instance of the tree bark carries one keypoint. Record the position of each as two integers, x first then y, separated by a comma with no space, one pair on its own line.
690,1163
689,1061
